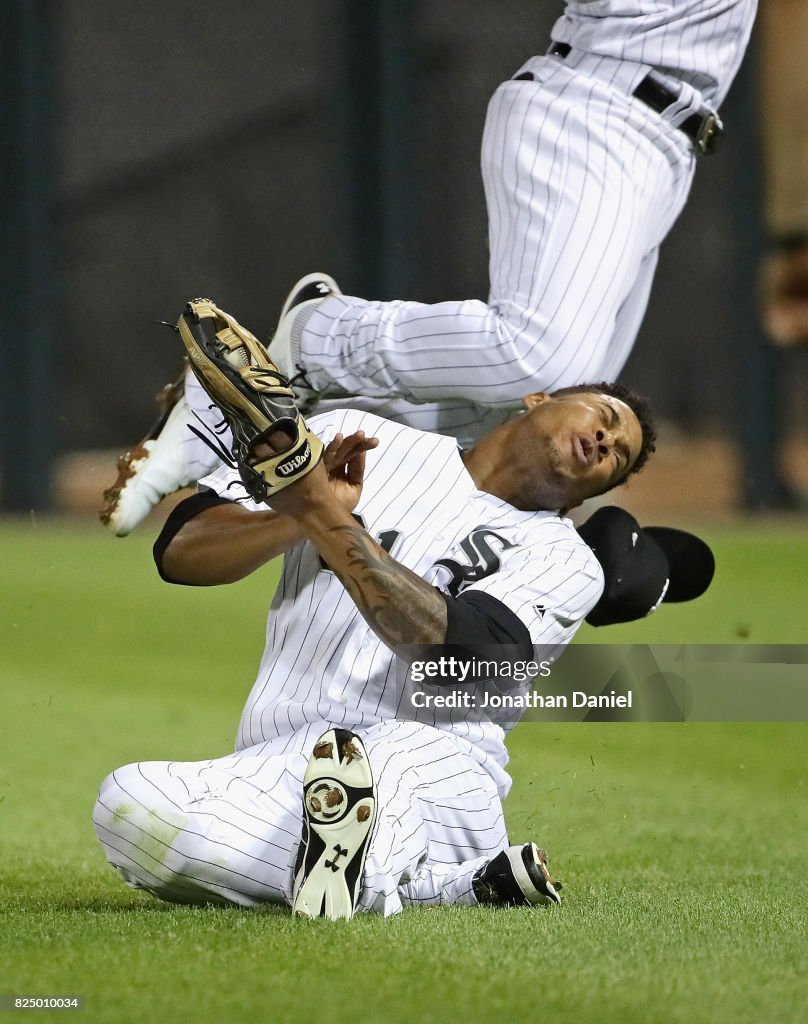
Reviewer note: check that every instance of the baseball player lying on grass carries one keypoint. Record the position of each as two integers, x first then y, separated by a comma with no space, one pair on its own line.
588,155
394,541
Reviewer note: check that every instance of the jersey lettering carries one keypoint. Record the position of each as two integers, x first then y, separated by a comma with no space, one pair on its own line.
483,559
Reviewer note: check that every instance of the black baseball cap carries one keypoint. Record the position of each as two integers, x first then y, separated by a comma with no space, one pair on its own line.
643,565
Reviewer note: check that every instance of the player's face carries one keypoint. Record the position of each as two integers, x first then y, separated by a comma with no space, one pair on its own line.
583,444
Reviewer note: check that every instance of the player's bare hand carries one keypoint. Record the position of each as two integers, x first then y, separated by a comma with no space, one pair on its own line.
344,460
339,475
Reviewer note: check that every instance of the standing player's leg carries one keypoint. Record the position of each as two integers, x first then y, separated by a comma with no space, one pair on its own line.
629,318
582,183
185,444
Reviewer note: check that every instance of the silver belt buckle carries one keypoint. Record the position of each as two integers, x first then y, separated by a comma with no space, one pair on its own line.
708,135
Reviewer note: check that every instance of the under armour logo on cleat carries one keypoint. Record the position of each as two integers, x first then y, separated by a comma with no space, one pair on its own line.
338,852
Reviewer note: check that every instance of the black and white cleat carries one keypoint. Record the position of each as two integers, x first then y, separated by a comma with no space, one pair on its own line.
339,809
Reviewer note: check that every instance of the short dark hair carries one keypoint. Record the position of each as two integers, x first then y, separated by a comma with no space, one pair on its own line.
639,405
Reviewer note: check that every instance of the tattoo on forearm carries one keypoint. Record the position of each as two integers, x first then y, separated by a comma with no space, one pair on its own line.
400,606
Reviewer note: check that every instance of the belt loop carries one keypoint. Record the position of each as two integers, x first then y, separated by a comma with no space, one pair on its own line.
561,50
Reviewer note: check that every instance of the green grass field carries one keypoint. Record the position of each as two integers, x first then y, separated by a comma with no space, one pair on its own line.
682,847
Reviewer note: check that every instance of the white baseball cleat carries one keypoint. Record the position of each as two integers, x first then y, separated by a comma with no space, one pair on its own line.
153,468
284,349
517,877
339,809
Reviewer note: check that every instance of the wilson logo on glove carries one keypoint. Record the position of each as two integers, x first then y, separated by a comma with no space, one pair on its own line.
295,462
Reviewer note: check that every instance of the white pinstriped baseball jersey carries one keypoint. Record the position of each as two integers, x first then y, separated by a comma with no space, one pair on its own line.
322,660
227,829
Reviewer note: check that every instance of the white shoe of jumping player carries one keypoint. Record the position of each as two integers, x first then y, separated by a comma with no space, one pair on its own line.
155,467
517,877
284,349
339,809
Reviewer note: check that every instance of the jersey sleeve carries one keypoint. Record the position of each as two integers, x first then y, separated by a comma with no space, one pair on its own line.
226,483
177,518
550,586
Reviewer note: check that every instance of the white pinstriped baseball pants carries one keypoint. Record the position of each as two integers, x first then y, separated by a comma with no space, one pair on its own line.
583,182
227,830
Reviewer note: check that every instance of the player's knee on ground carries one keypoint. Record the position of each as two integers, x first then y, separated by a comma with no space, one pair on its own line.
187,833
137,825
